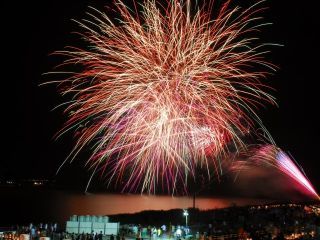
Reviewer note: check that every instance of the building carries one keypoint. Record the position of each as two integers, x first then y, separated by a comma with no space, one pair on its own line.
92,224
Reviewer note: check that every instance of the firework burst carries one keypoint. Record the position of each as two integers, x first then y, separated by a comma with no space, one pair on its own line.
165,91
272,156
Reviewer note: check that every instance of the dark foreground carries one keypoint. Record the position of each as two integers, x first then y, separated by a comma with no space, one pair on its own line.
273,221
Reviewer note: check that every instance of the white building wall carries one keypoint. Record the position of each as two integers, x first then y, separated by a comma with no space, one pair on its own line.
85,227
112,228
89,224
72,227
98,227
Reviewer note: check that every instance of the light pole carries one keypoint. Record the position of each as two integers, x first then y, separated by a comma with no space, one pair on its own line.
186,214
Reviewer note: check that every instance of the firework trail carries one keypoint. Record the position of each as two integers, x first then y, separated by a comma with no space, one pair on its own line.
272,156
165,90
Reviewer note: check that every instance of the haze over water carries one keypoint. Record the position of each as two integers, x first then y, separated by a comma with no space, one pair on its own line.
41,205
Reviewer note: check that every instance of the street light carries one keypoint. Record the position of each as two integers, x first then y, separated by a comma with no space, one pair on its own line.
186,214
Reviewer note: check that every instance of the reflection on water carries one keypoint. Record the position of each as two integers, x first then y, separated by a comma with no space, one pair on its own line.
39,205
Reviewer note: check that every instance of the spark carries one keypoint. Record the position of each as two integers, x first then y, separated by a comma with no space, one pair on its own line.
165,90
272,156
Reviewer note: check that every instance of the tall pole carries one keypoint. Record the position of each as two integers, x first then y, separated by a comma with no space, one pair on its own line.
194,200
186,220
186,214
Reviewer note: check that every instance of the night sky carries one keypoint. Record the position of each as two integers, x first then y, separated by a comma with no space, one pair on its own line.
31,30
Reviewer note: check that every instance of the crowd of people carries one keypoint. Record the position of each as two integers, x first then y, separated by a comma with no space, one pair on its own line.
289,221
266,222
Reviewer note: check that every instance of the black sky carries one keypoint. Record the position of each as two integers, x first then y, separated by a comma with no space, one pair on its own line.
31,30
